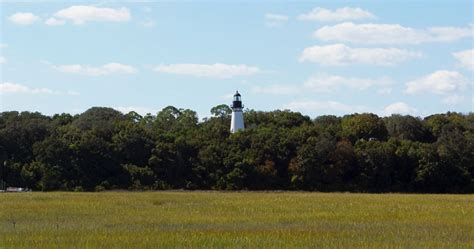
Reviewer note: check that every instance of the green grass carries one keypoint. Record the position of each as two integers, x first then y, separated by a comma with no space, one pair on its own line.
235,220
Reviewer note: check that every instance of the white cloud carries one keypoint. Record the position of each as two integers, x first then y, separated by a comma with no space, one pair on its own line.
389,33
276,89
54,22
399,108
334,107
217,70
148,24
80,14
24,18
69,92
385,91
273,20
327,83
341,14
453,99
325,107
449,34
138,109
107,69
439,82
465,58
227,97
3,60
340,54
9,87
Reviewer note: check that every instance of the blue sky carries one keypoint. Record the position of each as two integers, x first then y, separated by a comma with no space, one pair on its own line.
324,57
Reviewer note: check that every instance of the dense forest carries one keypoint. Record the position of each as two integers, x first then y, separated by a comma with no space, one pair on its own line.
104,149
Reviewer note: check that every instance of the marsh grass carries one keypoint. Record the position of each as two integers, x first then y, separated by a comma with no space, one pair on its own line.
235,220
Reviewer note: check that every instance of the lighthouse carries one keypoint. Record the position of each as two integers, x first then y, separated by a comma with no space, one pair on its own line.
237,122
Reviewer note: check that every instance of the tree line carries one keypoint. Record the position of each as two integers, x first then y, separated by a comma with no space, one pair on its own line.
104,149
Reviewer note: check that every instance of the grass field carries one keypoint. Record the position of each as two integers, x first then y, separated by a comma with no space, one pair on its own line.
235,220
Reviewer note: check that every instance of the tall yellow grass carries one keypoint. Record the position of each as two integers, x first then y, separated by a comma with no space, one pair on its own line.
235,220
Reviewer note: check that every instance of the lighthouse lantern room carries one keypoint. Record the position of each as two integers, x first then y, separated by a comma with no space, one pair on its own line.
237,122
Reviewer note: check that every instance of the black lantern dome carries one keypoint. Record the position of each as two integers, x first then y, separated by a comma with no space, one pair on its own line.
237,103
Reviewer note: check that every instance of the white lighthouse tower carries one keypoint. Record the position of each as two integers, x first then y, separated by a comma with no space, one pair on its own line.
237,122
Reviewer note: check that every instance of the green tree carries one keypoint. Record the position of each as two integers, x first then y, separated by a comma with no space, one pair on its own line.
365,126
376,161
407,127
221,111
102,148
314,169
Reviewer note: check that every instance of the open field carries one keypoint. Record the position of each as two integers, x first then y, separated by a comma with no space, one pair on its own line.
235,220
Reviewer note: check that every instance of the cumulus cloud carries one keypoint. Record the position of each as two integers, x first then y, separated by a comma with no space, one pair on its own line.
138,109
3,60
449,34
217,70
439,82
228,96
325,107
107,69
80,14
399,108
273,20
54,22
465,58
327,83
9,87
385,91
332,107
389,34
276,89
340,54
24,18
453,99
341,14
148,23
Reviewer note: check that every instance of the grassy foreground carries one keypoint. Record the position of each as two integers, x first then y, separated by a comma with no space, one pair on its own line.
235,220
